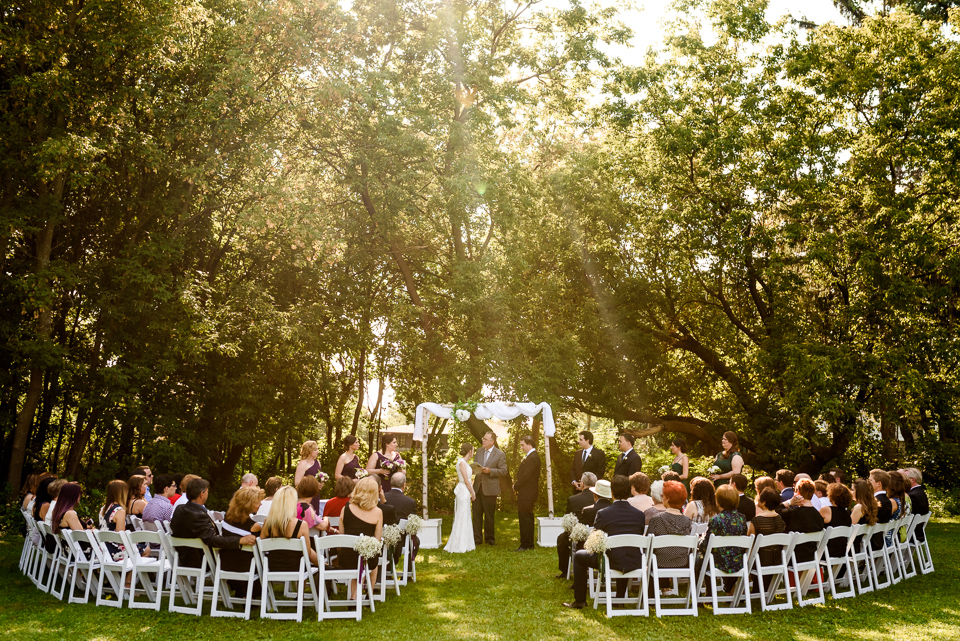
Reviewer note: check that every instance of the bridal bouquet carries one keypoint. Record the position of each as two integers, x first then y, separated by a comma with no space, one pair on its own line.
580,532
362,473
713,469
323,477
569,522
414,525
663,469
368,547
391,535
596,542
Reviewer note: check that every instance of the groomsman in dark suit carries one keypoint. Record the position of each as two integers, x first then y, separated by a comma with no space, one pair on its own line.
575,505
880,480
618,518
527,487
628,462
588,459
746,507
919,502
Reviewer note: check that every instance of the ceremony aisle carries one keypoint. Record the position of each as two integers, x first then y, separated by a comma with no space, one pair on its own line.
497,593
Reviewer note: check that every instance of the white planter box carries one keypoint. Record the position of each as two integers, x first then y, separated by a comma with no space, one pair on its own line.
430,534
550,528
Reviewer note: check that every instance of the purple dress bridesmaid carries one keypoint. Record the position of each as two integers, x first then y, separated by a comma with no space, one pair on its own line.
350,469
312,471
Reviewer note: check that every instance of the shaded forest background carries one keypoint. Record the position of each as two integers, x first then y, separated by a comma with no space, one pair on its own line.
222,219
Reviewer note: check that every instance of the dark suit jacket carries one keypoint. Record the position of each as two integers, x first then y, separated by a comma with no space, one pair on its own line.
589,513
596,463
402,504
919,503
884,514
527,485
629,465
192,521
389,514
747,508
579,501
622,518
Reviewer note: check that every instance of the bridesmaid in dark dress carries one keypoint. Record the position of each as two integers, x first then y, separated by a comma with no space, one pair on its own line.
681,463
388,453
729,460
309,466
349,462
361,516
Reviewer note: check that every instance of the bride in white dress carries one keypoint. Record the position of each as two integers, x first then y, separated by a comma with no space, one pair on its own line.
461,537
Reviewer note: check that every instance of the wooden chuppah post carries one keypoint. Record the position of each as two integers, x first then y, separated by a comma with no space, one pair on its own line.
423,445
546,449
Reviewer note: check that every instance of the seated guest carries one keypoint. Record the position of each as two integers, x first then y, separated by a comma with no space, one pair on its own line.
603,497
273,484
184,484
159,508
248,480
745,506
113,515
919,502
136,487
144,471
865,507
801,516
46,511
902,507
836,513
768,521
640,491
191,521
41,503
618,518
403,507
237,521
820,499
361,516
282,522
729,522
30,491
65,515
307,490
178,479
703,501
672,521
342,490
785,480
763,482
670,475
656,495
575,505
880,481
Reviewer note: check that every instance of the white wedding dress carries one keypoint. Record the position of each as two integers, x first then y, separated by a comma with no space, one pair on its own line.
461,537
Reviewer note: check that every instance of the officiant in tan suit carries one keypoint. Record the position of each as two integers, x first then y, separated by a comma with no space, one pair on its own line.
492,464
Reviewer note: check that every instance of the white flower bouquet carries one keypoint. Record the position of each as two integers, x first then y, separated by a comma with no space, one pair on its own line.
362,473
391,535
663,469
596,542
414,525
713,469
368,547
580,532
569,522
462,415
323,477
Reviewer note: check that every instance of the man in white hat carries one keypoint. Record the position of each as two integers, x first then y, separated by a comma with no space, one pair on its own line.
603,497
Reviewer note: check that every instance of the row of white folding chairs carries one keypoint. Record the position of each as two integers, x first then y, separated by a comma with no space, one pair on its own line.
80,567
862,563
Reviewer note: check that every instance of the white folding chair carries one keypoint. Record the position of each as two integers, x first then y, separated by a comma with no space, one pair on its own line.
62,563
258,518
326,547
839,570
85,564
879,557
807,573
114,566
859,554
907,566
148,571
221,589
409,565
27,551
772,579
181,576
43,568
688,604
641,574
386,566
303,575
135,522
699,529
920,548
716,577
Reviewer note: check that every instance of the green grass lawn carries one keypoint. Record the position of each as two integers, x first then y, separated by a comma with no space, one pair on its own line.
496,593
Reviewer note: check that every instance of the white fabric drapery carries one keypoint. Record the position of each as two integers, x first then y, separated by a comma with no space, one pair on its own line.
502,410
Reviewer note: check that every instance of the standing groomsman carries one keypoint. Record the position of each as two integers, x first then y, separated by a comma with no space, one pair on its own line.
527,487
629,461
588,459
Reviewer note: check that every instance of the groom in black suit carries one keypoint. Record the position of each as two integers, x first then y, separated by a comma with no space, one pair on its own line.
527,487
628,463
619,518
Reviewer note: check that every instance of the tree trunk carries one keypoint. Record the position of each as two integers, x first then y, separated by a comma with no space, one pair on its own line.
81,438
